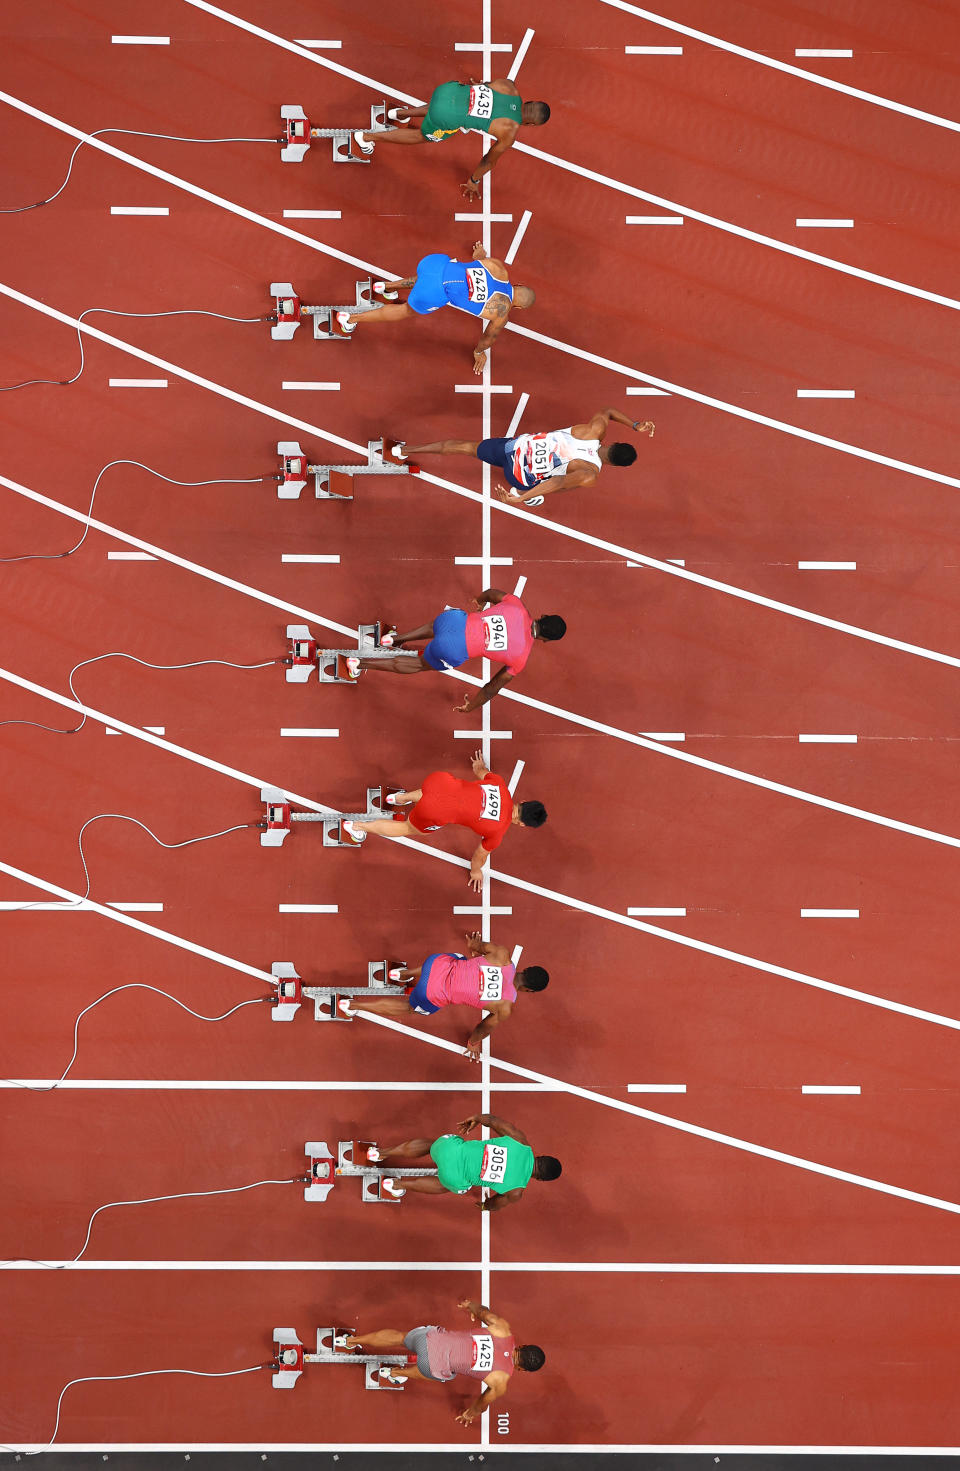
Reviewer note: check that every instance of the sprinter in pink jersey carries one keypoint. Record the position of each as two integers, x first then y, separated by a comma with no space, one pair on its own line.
495,626
490,1355
483,978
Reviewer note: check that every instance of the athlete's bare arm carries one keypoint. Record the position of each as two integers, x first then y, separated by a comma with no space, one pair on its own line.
477,862
496,954
496,1123
490,595
579,473
495,1388
495,313
503,132
499,1012
485,692
500,1202
597,427
499,1327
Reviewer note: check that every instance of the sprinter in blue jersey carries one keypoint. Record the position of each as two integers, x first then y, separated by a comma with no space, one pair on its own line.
481,287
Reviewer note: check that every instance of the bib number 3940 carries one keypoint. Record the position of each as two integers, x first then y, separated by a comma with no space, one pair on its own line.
495,633
481,102
482,1353
491,983
492,804
494,1166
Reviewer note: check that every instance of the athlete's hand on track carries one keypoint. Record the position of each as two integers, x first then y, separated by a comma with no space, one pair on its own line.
469,189
465,1304
464,708
479,362
507,493
465,1417
478,766
472,1050
476,882
466,1126
647,427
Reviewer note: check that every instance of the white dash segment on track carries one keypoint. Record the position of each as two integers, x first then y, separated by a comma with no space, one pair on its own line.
136,382
308,387
647,910
826,566
829,914
331,558
139,209
473,218
515,777
308,909
474,735
483,561
656,1087
514,424
825,224
479,46
826,393
515,955
130,557
815,738
664,735
822,51
306,730
478,909
851,1088
518,235
654,219
522,49
320,45
312,214
478,388
635,392
653,50
140,40
521,580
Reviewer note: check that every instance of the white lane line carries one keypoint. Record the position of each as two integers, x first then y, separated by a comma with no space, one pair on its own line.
493,735
673,561
307,909
515,955
771,61
136,382
557,162
514,424
472,217
826,393
312,214
308,387
483,562
653,50
515,777
140,40
86,907
522,49
838,1088
812,738
521,584
829,914
657,909
331,558
321,45
634,392
657,1269
138,209
154,730
306,730
664,735
479,388
479,909
480,46
826,224
821,51
515,243
134,908
271,1085
656,1087
826,566
130,557
654,219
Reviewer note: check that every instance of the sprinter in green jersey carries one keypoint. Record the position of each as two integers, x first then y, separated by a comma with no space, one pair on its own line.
503,1165
462,107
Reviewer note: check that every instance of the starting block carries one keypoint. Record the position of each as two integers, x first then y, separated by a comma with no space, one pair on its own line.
289,309
335,482
278,817
352,1162
290,1358
304,655
297,135
291,992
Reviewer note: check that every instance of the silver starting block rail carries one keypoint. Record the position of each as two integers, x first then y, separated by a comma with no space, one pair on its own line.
324,1172
326,999
298,135
335,482
304,655
279,816
290,1358
289,310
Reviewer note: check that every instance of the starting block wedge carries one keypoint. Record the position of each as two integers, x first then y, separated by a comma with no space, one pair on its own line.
290,1358
289,991
352,1161
381,981
322,1171
334,482
276,823
287,309
297,135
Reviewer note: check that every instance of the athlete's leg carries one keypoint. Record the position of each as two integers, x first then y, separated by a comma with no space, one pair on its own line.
422,1185
385,827
425,631
395,312
382,1005
402,664
396,135
377,1338
412,1149
444,447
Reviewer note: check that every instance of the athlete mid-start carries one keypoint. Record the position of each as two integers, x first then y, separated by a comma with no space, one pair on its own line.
480,287
504,1164
493,108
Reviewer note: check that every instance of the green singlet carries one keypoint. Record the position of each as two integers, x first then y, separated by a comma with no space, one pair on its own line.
500,1164
457,106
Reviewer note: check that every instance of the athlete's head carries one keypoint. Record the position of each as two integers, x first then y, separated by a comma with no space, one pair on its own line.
533,814
550,627
530,1357
545,1167
524,296
621,454
536,113
533,978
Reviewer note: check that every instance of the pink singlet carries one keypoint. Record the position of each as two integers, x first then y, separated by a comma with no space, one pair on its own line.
473,1352
459,981
502,632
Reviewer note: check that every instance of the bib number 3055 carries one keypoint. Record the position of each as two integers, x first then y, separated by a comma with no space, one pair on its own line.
482,1353
481,102
494,1166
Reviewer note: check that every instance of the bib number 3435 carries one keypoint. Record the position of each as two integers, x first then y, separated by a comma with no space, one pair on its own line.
481,102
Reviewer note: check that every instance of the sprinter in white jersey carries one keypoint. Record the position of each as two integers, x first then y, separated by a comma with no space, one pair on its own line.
538,465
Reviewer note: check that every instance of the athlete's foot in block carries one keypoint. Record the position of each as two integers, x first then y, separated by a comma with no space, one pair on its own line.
354,831
363,143
347,322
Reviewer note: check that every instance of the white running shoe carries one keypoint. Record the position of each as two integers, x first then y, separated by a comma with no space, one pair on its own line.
391,799
537,500
354,833
399,451
393,114
389,293
390,1187
386,1372
362,143
344,322
344,1007
353,666
373,1154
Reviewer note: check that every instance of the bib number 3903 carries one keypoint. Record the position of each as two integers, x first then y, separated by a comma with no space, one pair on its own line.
494,1164
491,983
490,811
495,633
482,1353
481,102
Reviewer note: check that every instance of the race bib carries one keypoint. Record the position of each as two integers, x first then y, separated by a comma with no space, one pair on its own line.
539,457
494,1167
491,983
492,804
482,1359
495,633
477,283
481,102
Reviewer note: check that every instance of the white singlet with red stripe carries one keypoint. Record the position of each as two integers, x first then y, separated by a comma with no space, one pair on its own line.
539,457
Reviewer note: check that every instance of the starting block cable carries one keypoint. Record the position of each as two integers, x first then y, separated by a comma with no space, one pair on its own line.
55,556
121,654
116,312
139,1374
129,133
130,986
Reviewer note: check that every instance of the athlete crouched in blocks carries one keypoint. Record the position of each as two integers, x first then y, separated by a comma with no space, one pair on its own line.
503,1164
